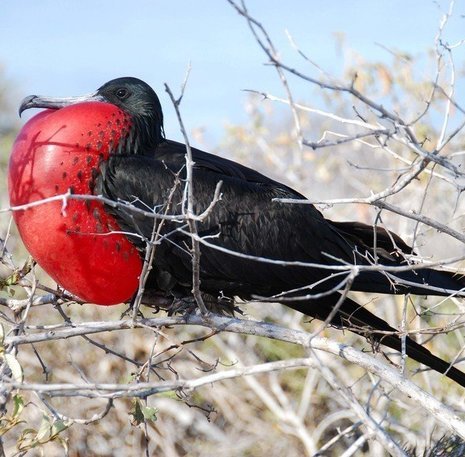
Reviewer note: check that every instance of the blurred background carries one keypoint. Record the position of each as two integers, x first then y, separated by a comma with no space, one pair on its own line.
71,48
67,48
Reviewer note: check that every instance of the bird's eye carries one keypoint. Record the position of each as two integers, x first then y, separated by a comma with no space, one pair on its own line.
122,93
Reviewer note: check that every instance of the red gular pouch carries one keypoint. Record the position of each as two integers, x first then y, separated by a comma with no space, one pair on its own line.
75,241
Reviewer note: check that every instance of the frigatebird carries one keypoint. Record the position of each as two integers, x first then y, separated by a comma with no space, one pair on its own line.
251,244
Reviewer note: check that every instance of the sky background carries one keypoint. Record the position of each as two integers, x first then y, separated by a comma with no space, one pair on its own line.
62,48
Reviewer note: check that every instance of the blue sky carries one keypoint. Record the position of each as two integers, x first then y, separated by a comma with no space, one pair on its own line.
67,48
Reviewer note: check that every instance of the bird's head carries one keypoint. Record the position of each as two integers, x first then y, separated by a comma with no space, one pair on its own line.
131,95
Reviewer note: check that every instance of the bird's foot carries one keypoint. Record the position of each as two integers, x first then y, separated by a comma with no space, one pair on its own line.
225,306
129,312
177,303
219,305
184,305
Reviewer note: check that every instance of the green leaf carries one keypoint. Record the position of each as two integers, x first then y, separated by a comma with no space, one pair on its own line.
10,291
137,414
12,279
44,429
2,335
143,413
15,367
150,413
28,266
25,440
18,401
57,427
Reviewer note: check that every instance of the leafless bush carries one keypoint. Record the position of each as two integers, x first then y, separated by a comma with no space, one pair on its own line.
387,150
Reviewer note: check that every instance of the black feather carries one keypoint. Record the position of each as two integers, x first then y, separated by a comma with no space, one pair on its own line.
247,226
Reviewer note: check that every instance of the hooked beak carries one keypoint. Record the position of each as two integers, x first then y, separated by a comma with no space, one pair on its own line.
38,101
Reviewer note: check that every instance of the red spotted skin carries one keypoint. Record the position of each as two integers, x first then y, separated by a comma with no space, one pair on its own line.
59,150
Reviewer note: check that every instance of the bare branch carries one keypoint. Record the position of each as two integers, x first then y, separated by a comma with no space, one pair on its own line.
219,323
189,197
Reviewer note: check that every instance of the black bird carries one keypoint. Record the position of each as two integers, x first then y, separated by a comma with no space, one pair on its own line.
246,226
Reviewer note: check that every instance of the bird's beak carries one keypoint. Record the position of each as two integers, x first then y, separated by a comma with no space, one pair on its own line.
39,101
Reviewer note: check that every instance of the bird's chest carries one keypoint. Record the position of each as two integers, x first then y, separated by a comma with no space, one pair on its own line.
56,154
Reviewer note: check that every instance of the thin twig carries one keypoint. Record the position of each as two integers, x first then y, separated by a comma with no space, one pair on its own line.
189,197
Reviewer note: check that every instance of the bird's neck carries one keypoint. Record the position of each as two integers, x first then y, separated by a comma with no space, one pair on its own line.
145,134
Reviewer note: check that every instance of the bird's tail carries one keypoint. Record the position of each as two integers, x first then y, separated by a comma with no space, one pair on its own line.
359,320
390,250
420,281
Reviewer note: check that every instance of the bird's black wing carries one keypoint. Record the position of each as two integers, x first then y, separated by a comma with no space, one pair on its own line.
388,244
173,153
245,221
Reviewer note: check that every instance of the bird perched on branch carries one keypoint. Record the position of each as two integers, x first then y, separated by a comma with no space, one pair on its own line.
111,143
